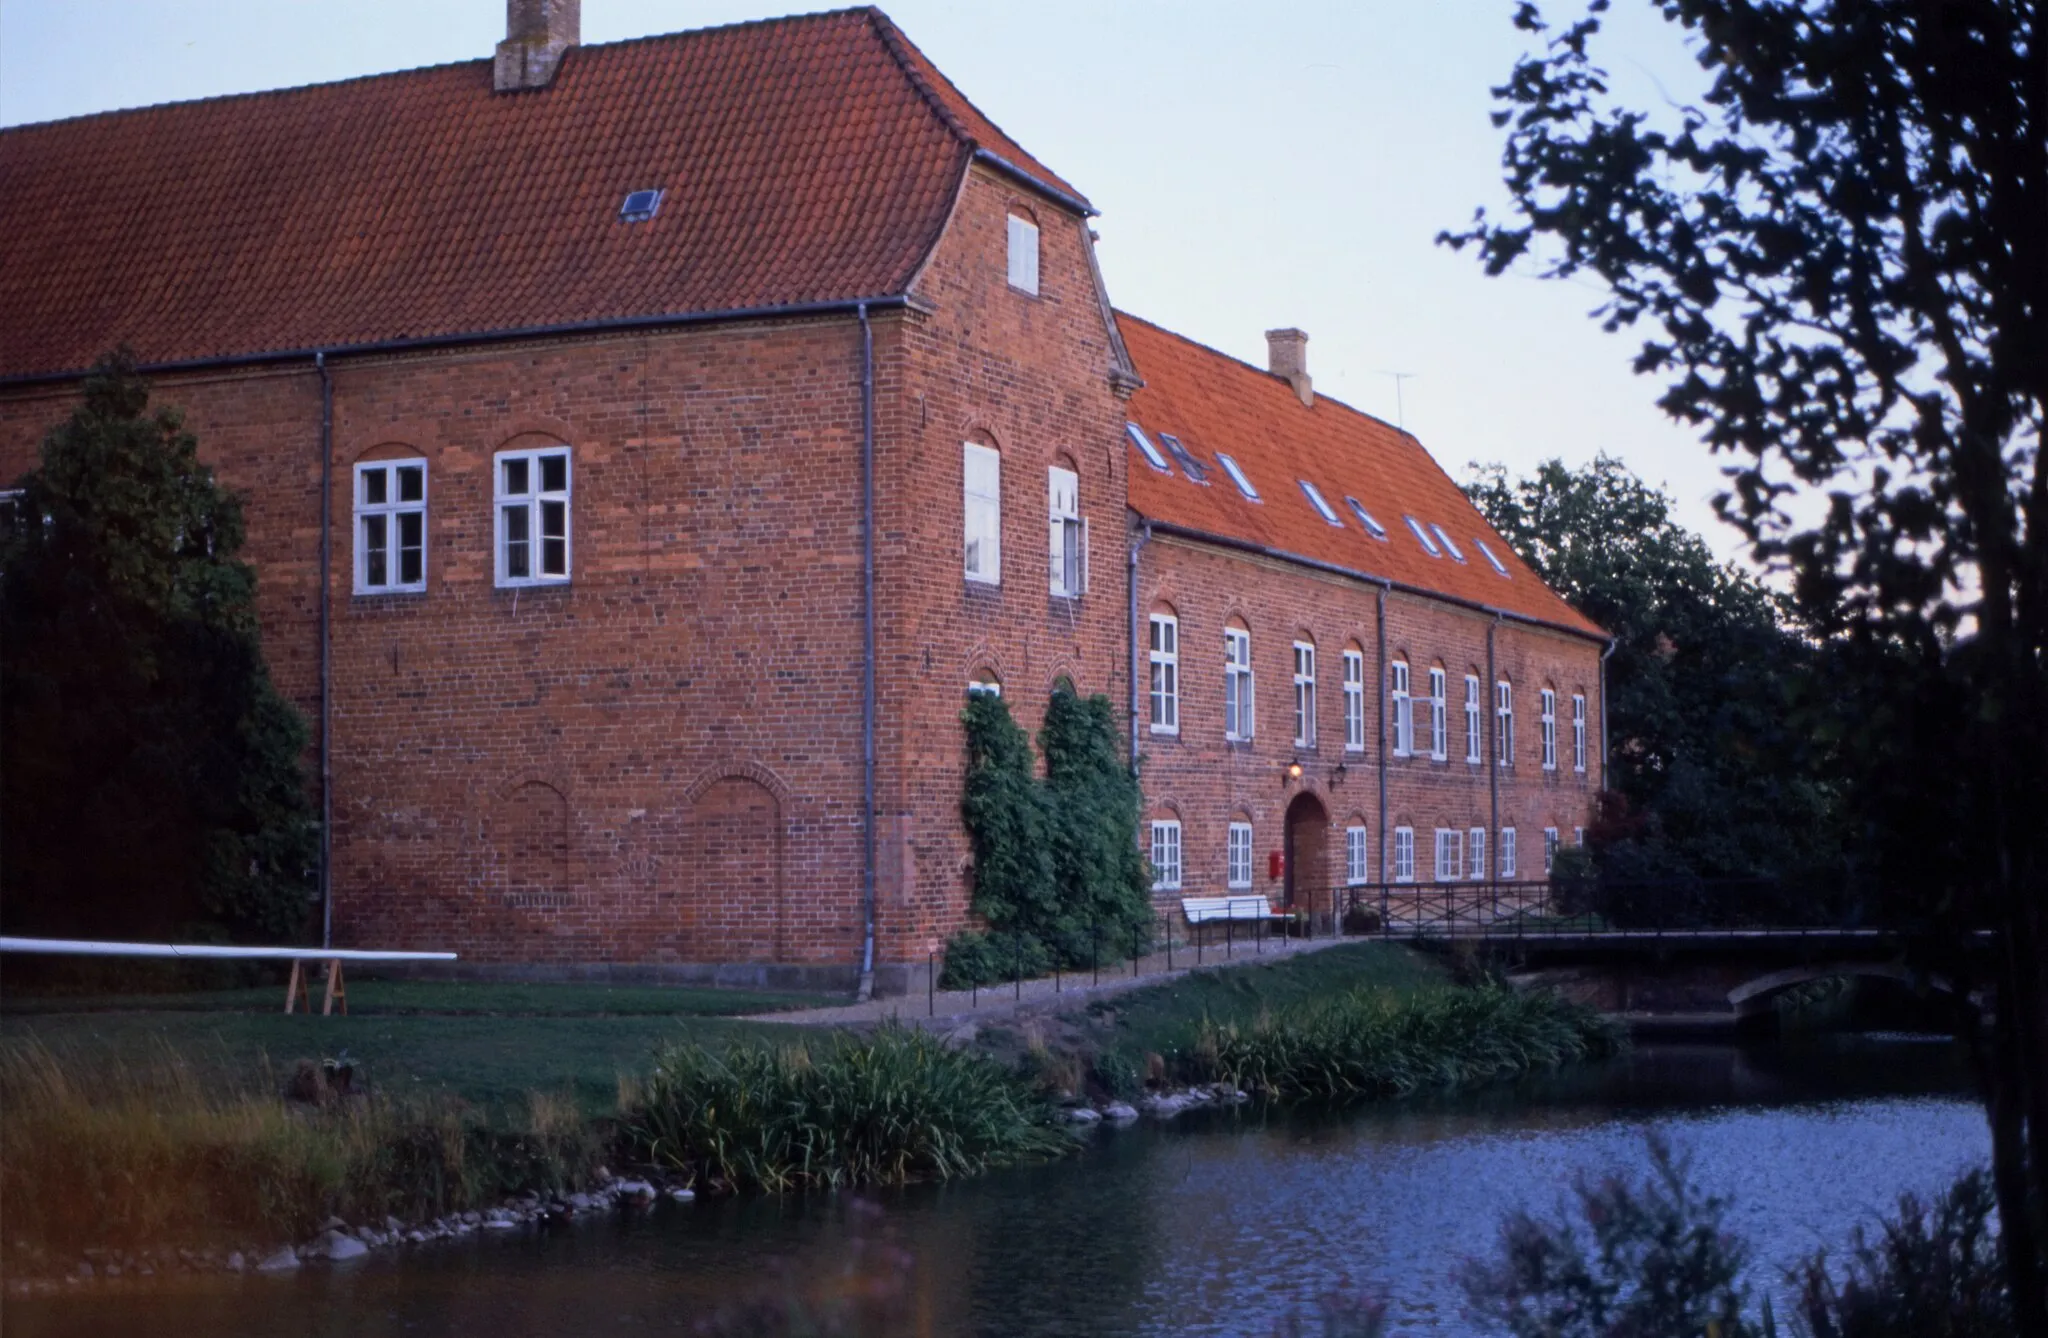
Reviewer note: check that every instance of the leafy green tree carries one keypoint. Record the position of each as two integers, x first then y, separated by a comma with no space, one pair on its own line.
1708,689
1104,885
149,771
1841,263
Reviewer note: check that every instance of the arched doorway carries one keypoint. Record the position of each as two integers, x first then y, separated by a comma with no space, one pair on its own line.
1308,874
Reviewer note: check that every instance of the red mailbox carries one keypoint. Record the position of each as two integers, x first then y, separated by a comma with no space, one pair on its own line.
1276,866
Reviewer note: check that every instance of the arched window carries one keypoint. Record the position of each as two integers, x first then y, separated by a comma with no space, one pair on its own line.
1305,694
1357,862
1069,532
1403,708
1474,747
1163,655
984,683
1354,698
1023,239
1504,722
1237,854
981,470
533,516
1237,681
1437,720
391,526
1548,700
1579,732
1166,852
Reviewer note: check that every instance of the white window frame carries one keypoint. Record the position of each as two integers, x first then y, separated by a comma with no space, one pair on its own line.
1475,854
1504,722
1450,545
1548,701
1579,836
390,515
1240,716
1439,716
1507,852
1579,732
1549,850
1450,855
1237,856
1498,566
1146,448
1166,865
1357,857
1354,701
1237,476
1404,854
1164,656
1367,519
981,513
1403,708
1323,508
1069,533
984,687
1023,255
532,509
1422,537
1475,734
1304,694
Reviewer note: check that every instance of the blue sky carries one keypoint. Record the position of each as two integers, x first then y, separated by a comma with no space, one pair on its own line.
1255,167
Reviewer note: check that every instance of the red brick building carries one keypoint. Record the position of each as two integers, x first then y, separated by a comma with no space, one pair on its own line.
644,445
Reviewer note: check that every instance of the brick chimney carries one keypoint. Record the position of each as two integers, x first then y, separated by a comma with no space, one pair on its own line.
1287,357
537,34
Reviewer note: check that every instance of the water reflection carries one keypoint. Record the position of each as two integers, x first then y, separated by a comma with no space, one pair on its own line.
1213,1227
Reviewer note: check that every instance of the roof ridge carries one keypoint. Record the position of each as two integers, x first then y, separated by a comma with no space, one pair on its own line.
893,41
1345,405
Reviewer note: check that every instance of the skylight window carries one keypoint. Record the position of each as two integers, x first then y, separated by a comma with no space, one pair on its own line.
1146,448
1365,518
1322,507
640,206
1428,544
1196,471
1488,554
1450,545
1244,485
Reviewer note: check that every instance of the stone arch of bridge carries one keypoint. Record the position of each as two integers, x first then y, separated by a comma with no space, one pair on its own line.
1754,997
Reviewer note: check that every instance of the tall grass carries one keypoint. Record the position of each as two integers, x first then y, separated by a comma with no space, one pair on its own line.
889,1108
141,1153
1369,1043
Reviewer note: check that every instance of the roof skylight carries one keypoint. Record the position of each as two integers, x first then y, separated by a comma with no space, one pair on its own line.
1450,545
1488,553
1196,471
1322,507
1365,518
1428,544
640,206
1146,448
1244,485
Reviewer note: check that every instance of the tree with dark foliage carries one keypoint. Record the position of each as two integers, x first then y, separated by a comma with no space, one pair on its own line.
1841,261
150,773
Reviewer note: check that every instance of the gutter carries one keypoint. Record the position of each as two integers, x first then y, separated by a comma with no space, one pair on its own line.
1039,184
866,988
327,649
1317,564
466,339
1492,717
1144,537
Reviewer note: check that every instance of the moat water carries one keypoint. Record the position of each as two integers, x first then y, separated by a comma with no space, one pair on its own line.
1220,1224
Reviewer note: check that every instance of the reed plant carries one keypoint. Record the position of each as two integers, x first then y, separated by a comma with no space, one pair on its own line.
888,1108
93,1154
1374,1043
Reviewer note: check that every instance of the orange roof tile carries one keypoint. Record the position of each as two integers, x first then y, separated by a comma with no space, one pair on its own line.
1212,402
805,160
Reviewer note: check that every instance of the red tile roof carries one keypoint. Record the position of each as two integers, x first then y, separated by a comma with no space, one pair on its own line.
805,160
1212,402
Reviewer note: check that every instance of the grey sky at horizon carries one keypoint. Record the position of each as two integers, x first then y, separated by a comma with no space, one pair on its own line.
1250,173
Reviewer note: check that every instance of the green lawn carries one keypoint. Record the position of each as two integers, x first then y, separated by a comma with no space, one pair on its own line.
490,1044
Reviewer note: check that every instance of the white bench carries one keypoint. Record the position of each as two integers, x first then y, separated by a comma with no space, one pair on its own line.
1202,910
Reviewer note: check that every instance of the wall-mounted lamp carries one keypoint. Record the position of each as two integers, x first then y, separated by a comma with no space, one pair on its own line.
1337,775
1291,772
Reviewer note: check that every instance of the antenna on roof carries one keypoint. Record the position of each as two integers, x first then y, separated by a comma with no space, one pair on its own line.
1400,417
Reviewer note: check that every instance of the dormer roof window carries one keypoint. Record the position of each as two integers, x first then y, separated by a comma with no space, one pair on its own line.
1196,471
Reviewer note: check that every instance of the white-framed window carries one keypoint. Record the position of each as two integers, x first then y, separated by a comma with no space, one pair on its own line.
1579,732
1548,701
981,469
1164,653
1146,448
1549,849
1237,476
1023,254
984,684
1367,519
1166,855
1238,855
1474,744
533,516
1437,715
1354,701
1475,854
1450,545
1237,683
1357,867
1404,708
1422,537
1404,854
1504,723
1507,852
1316,500
1069,532
1498,566
1304,694
1578,836
391,526
1450,855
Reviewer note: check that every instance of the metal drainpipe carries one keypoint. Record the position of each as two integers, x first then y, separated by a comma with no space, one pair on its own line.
866,987
1493,742
1612,642
1144,537
1385,836
327,649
